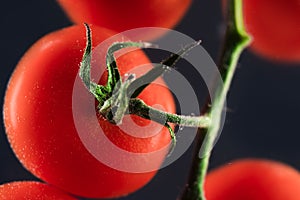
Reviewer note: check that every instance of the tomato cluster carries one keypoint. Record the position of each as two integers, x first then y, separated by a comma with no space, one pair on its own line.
40,124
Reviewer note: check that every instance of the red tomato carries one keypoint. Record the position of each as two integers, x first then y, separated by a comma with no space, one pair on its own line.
40,125
25,190
275,28
253,179
124,15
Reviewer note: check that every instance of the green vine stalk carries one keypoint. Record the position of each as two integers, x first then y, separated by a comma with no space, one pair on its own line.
235,41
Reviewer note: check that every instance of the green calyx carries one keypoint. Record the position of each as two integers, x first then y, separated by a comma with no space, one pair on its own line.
118,97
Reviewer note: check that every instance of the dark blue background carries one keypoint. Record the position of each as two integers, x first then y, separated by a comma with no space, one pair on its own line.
263,117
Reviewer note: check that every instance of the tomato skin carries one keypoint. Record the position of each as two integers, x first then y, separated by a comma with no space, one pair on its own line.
253,179
275,28
25,190
122,15
40,125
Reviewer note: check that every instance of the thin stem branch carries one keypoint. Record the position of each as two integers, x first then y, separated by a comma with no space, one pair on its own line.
139,108
235,41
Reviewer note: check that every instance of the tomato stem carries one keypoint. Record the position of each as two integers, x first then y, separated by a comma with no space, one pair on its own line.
138,107
235,41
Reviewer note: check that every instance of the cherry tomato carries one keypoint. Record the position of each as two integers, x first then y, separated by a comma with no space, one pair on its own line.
39,121
275,28
124,15
25,190
253,179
